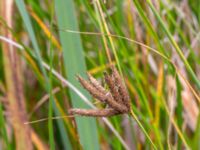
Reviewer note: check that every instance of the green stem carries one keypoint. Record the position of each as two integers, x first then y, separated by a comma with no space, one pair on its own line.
133,115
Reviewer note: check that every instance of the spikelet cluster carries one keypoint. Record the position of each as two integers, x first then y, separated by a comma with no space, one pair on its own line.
117,97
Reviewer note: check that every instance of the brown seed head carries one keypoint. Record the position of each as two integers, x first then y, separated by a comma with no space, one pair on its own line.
117,98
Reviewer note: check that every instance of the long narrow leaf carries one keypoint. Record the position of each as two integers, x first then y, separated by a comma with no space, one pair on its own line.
28,25
75,64
175,45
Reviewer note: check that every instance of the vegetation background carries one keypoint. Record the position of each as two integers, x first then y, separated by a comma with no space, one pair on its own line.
154,44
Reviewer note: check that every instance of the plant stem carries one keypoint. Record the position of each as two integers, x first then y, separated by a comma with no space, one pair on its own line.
14,83
133,115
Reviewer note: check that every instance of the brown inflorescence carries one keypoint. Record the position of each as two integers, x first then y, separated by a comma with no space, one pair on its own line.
117,98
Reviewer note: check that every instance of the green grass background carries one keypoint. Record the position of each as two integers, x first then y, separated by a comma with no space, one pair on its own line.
168,37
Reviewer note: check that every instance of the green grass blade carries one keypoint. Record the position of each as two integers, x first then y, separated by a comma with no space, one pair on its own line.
3,129
50,114
28,25
149,26
173,42
75,64
179,110
196,144
21,7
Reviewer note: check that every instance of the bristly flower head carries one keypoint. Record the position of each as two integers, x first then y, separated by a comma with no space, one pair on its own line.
117,98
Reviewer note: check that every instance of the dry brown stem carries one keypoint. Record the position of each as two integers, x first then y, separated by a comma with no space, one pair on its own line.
14,82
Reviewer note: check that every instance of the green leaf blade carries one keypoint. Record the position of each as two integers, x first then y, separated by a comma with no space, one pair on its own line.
75,64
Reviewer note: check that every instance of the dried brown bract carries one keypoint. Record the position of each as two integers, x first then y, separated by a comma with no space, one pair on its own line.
117,98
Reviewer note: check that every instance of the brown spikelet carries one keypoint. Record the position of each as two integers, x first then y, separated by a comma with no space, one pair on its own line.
122,88
114,104
117,98
94,112
113,87
96,84
93,91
